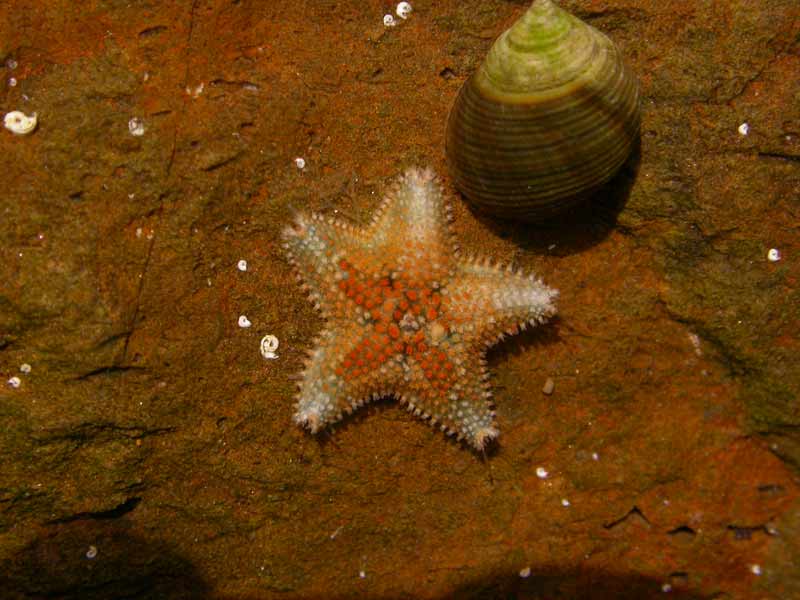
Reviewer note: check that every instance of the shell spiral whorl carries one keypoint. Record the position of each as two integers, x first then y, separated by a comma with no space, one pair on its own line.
549,117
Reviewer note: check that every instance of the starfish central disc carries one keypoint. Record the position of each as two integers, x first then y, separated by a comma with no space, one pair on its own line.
405,315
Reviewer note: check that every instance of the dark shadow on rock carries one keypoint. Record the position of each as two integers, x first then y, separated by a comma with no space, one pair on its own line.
361,416
584,225
578,584
539,337
550,584
56,565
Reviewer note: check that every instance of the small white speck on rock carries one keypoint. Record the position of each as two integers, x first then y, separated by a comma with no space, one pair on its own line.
565,502
744,129
91,552
25,368
195,91
525,573
12,82
14,382
242,265
300,162
541,473
136,127
595,456
694,339
755,569
666,588
244,321
774,255
549,386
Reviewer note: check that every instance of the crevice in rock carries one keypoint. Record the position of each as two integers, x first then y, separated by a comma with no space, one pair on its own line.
743,533
780,156
98,432
771,489
109,370
245,84
682,531
151,31
634,515
112,513
225,160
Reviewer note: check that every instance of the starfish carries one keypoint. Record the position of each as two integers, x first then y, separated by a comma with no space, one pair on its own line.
406,315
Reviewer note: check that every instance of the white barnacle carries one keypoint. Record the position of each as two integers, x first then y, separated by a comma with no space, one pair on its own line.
14,382
244,322
774,255
404,9
744,129
19,123
91,552
541,473
300,162
388,21
269,343
242,265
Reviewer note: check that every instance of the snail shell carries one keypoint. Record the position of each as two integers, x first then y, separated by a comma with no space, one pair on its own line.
549,117
19,123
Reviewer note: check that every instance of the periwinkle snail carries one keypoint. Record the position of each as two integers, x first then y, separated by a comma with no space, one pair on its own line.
549,117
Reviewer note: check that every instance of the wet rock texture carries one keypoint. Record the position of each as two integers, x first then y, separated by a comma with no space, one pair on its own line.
150,453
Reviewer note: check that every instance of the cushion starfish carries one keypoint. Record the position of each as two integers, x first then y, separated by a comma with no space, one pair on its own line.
406,315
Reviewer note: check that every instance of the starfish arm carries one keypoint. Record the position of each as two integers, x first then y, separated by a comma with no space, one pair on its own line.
316,247
486,302
415,213
453,395
334,383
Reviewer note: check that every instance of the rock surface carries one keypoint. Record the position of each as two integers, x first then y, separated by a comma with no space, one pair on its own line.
150,452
